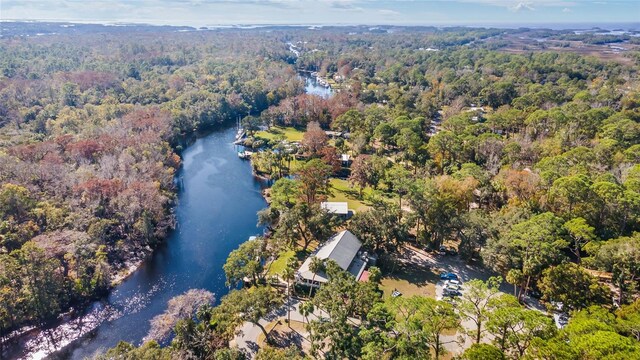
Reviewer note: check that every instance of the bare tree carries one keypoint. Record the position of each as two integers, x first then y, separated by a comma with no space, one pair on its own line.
180,307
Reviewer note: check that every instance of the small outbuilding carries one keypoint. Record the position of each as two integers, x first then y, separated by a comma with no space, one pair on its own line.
345,159
338,208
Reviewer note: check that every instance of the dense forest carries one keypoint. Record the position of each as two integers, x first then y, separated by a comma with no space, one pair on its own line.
528,164
92,127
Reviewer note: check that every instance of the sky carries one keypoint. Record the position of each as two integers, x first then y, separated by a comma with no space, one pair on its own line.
510,13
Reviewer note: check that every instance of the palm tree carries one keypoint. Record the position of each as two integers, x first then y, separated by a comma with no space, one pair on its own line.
306,309
289,274
315,266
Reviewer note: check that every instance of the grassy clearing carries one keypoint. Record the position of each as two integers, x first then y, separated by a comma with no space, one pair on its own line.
278,265
341,191
289,133
410,280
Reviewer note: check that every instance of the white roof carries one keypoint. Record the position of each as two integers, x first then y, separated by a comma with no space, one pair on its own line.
341,208
341,248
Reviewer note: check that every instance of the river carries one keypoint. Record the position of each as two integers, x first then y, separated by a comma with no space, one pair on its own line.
218,199
312,86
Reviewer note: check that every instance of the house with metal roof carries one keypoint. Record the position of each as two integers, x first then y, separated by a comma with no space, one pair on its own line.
345,249
334,207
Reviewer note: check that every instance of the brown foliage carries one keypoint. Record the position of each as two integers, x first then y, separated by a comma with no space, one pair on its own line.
314,140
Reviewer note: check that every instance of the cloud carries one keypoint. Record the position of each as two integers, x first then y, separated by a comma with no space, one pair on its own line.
521,6
388,12
344,5
566,10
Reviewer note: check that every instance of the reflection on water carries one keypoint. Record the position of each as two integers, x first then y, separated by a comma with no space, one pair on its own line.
45,342
216,211
311,86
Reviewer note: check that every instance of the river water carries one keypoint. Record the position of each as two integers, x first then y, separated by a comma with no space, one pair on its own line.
311,86
216,211
218,199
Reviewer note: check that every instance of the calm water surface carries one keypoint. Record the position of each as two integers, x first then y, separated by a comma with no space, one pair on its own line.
311,86
216,212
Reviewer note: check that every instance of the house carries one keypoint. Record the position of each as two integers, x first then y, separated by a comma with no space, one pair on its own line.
333,134
345,159
338,208
479,109
345,249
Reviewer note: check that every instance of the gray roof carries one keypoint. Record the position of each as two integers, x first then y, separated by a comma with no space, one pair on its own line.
340,208
341,248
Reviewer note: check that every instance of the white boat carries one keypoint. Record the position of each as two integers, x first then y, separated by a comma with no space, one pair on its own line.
240,134
245,154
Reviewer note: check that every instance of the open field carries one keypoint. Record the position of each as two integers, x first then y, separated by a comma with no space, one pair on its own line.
277,266
341,191
410,279
523,44
289,133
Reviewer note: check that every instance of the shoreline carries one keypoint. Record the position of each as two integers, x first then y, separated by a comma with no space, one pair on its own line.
17,342
23,343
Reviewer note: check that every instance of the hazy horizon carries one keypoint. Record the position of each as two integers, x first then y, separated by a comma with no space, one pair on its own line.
217,13
627,26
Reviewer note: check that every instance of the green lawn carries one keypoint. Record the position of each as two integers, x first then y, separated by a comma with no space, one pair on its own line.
278,265
290,133
341,191
410,280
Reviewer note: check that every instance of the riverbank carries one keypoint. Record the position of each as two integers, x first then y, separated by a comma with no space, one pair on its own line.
216,211
212,183
57,331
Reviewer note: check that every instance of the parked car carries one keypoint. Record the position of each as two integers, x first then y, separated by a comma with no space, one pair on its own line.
448,276
455,287
450,292
561,319
442,251
452,282
452,251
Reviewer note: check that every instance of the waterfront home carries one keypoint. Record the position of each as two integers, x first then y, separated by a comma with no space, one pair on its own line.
345,249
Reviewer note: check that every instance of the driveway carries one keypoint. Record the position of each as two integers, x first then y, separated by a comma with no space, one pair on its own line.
466,272
247,338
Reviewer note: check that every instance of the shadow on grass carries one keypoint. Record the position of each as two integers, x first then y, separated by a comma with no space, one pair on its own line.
416,275
408,278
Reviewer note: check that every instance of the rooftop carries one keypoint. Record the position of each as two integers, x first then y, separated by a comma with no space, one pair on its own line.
341,248
340,208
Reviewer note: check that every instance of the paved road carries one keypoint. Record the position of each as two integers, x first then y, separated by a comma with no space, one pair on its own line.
247,338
